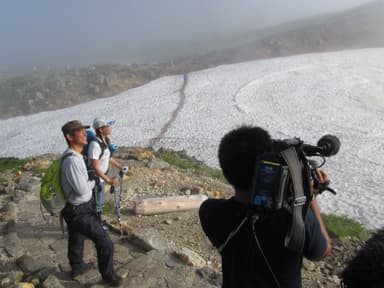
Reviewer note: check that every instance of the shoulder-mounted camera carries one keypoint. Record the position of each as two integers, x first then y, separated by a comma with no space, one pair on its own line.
283,179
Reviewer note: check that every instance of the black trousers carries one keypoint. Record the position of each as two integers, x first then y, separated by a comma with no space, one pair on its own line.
82,222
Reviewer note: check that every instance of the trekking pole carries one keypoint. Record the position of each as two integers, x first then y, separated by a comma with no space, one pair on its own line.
121,177
117,199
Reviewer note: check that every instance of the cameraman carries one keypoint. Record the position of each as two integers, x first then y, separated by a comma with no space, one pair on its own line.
243,262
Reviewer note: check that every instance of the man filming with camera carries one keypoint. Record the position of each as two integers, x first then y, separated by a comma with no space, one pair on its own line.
255,240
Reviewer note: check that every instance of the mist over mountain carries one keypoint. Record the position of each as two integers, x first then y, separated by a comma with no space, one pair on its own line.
54,34
360,27
48,89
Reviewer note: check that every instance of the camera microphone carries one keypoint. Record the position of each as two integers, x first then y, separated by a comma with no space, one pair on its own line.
329,144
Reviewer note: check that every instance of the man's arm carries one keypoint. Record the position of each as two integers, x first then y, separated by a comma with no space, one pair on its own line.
316,211
77,178
323,177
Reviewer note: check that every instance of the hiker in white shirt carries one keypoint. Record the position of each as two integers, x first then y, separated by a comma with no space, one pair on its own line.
100,158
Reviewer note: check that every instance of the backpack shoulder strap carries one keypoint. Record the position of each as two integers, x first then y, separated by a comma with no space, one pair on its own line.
101,146
295,238
65,156
61,218
61,165
102,150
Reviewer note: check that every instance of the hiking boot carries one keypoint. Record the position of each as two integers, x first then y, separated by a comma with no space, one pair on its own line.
103,223
114,280
85,268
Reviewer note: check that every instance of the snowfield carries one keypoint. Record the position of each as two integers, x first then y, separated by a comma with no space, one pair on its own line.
305,96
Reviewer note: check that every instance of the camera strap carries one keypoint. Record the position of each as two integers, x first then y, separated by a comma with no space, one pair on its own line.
294,240
232,234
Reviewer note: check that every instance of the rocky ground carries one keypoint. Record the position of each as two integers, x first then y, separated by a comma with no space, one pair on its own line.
163,250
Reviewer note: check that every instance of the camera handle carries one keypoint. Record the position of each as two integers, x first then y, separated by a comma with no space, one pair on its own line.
321,186
325,186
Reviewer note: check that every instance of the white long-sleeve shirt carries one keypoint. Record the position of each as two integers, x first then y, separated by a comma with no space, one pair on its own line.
74,179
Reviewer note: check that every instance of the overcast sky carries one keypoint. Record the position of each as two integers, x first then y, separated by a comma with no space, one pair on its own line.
45,33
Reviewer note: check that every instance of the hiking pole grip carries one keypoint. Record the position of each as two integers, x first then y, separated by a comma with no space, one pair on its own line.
123,171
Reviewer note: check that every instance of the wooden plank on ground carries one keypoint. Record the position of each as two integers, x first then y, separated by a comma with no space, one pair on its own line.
160,205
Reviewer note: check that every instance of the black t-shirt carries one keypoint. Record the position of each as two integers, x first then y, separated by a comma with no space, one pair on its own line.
242,262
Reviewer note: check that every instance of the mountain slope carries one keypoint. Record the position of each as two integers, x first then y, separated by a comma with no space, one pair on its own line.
49,90
360,27
306,96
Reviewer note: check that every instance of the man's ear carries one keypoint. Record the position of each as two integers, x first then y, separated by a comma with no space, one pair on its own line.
69,137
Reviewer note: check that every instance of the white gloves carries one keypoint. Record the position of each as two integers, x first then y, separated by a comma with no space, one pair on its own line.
125,169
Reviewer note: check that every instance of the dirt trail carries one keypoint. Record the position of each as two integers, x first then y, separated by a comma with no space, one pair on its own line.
180,106
45,243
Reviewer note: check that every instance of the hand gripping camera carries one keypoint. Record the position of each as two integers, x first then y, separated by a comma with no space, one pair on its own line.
283,180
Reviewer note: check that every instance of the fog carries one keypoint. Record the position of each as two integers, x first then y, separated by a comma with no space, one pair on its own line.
53,33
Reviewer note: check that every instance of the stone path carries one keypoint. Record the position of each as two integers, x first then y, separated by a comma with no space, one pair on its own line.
33,244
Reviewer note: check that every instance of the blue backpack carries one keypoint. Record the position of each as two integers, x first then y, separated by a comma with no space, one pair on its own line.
91,136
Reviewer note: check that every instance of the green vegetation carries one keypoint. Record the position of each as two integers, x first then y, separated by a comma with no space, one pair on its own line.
11,163
341,226
182,160
108,208
338,226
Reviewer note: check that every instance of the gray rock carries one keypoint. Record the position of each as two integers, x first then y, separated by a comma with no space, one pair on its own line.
157,163
190,257
11,240
152,270
149,239
28,183
211,276
90,276
28,264
52,282
6,282
10,188
43,273
9,213
18,195
11,278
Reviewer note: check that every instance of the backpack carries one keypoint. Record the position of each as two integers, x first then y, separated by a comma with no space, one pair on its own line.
91,136
52,197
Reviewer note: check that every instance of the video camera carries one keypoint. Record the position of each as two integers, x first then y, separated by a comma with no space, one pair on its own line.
278,177
283,179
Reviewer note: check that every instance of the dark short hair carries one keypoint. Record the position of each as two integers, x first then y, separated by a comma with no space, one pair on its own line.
72,126
238,151
366,269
